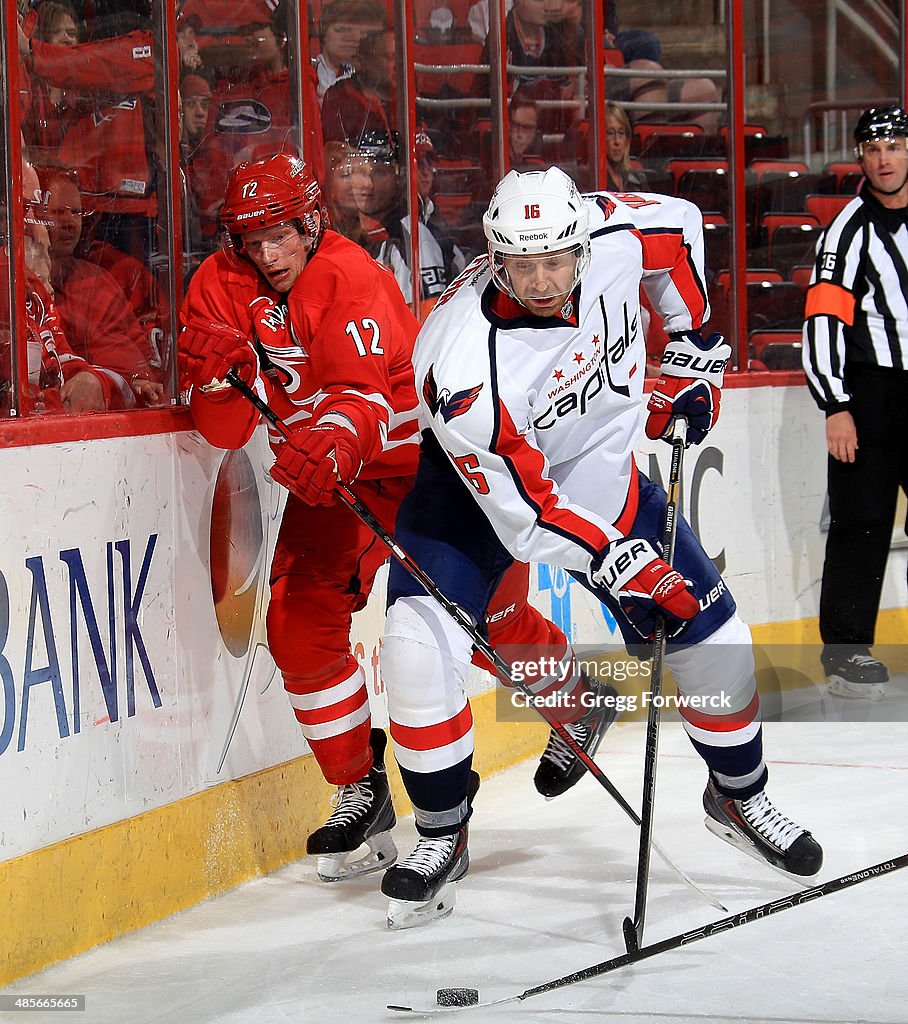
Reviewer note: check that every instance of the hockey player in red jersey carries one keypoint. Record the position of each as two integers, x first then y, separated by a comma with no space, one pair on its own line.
321,332
530,376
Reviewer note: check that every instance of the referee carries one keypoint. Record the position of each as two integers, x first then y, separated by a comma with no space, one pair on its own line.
856,358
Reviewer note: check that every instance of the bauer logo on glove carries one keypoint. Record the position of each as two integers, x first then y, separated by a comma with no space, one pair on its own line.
693,369
645,586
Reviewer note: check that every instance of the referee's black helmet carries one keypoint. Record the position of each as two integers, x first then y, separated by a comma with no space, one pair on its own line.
881,123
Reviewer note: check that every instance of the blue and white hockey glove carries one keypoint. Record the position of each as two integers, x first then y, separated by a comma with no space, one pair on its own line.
693,369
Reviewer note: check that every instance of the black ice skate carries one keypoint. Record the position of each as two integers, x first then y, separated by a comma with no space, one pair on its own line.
421,887
363,815
559,767
854,674
761,831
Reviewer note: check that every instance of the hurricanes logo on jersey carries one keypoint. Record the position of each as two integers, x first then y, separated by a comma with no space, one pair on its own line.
443,401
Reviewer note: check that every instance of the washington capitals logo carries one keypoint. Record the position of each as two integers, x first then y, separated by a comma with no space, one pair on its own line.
443,401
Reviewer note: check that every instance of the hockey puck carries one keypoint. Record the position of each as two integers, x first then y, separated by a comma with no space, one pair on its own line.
457,996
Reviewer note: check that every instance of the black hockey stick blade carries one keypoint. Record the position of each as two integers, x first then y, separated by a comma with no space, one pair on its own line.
724,924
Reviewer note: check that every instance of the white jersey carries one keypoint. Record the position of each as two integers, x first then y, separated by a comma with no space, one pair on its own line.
541,415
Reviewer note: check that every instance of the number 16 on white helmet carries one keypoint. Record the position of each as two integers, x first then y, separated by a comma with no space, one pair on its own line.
537,220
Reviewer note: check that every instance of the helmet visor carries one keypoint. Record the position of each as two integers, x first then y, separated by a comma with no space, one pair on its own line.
542,280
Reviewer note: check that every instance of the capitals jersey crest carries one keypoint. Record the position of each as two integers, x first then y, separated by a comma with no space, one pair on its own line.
443,401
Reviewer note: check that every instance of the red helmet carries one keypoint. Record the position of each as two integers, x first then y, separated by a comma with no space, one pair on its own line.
271,191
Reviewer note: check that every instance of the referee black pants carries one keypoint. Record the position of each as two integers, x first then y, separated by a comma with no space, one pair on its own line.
862,503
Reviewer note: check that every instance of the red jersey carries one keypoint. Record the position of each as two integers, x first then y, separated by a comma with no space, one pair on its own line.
338,344
100,324
105,143
123,65
51,362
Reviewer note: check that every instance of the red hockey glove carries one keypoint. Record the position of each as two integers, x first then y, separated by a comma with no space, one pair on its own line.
207,350
690,385
644,586
313,460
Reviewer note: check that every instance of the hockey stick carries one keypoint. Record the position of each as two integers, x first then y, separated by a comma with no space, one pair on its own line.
466,624
776,906
633,929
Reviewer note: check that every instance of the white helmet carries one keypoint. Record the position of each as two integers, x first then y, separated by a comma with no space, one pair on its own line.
535,213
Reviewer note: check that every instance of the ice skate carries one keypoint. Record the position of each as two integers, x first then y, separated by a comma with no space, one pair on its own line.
363,817
856,675
559,767
758,829
421,887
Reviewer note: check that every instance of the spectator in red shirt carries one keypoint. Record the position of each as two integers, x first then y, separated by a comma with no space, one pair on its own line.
58,380
195,93
51,109
95,314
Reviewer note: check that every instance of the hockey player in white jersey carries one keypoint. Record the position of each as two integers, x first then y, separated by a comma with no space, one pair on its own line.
530,373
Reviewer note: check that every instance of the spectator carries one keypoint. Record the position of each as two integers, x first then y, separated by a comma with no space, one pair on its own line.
642,51
478,18
551,33
523,133
533,42
341,28
376,185
111,141
95,315
187,43
621,176
565,21
195,94
366,100
453,258
523,147
51,109
855,355
58,380
57,23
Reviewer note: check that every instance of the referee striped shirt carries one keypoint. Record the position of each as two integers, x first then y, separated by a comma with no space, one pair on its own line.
857,302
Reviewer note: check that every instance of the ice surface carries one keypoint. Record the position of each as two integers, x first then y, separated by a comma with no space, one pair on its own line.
549,886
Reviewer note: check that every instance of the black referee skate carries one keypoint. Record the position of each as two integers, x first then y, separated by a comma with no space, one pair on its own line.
854,673
559,767
420,888
758,829
363,815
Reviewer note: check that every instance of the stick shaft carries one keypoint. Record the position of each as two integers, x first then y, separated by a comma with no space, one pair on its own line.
633,930
722,925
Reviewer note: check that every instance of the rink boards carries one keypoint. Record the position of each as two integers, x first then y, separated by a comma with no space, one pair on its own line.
148,756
